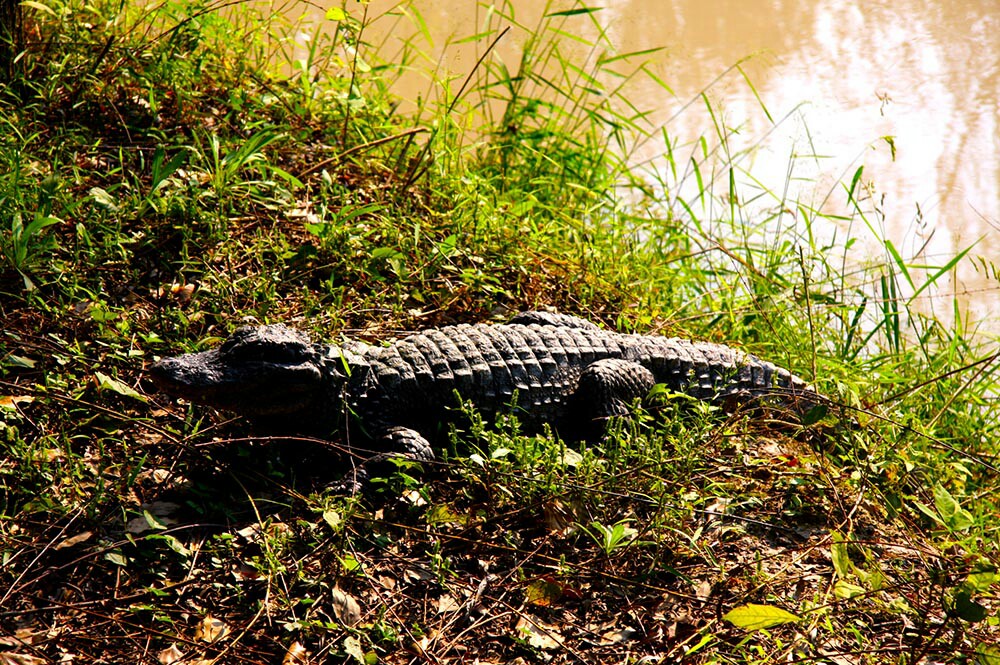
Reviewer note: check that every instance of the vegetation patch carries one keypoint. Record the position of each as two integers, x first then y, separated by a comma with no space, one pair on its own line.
172,171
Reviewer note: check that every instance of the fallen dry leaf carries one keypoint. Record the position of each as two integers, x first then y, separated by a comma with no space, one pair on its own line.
211,630
346,608
418,575
20,659
414,498
172,654
10,401
296,655
447,603
420,646
538,633
352,646
73,540
50,455
560,517
159,511
244,572
619,635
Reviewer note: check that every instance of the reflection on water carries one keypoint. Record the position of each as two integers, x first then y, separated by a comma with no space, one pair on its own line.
838,75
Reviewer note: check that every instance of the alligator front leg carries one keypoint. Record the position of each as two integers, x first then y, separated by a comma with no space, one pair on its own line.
394,442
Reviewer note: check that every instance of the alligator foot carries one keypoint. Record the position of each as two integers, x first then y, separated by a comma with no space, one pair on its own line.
398,443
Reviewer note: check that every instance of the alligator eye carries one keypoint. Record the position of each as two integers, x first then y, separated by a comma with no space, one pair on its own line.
274,344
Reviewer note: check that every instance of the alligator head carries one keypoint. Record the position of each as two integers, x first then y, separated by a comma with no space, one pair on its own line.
264,371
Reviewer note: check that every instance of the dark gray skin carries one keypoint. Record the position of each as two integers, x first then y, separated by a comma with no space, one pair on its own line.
559,369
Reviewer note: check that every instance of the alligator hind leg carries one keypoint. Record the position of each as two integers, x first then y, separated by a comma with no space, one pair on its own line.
607,388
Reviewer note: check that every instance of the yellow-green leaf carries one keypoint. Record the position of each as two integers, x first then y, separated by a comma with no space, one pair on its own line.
39,6
987,655
333,518
954,516
843,589
838,552
756,617
543,592
335,14
105,382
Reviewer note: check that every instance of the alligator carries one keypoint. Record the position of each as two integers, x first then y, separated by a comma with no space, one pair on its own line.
547,368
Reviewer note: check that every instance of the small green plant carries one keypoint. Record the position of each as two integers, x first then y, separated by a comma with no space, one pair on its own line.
25,246
612,538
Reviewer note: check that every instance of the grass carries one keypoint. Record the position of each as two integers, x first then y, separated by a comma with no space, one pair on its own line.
170,172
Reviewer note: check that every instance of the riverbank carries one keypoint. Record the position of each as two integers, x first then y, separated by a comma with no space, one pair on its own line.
166,177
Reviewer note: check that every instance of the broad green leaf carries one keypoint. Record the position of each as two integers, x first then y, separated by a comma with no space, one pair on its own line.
153,521
843,590
838,552
954,516
350,563
116,558
105,382
332,517
543,592
928,511
757,617
815,414
988,655
172,543
103,199
982,580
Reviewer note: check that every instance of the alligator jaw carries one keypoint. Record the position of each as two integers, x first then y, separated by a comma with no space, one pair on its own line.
249,387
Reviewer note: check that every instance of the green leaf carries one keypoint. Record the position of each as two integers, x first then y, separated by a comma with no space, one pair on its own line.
349,563
928,511
37,224
815,414
988,655
333,518
116,558
153,522
20,361
952,514
335,14
838,552
573,12
172,543
844,590
982,580
103,199
105,382
756,617
39,6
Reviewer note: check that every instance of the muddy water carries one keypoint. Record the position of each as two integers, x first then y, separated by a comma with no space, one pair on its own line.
836,77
